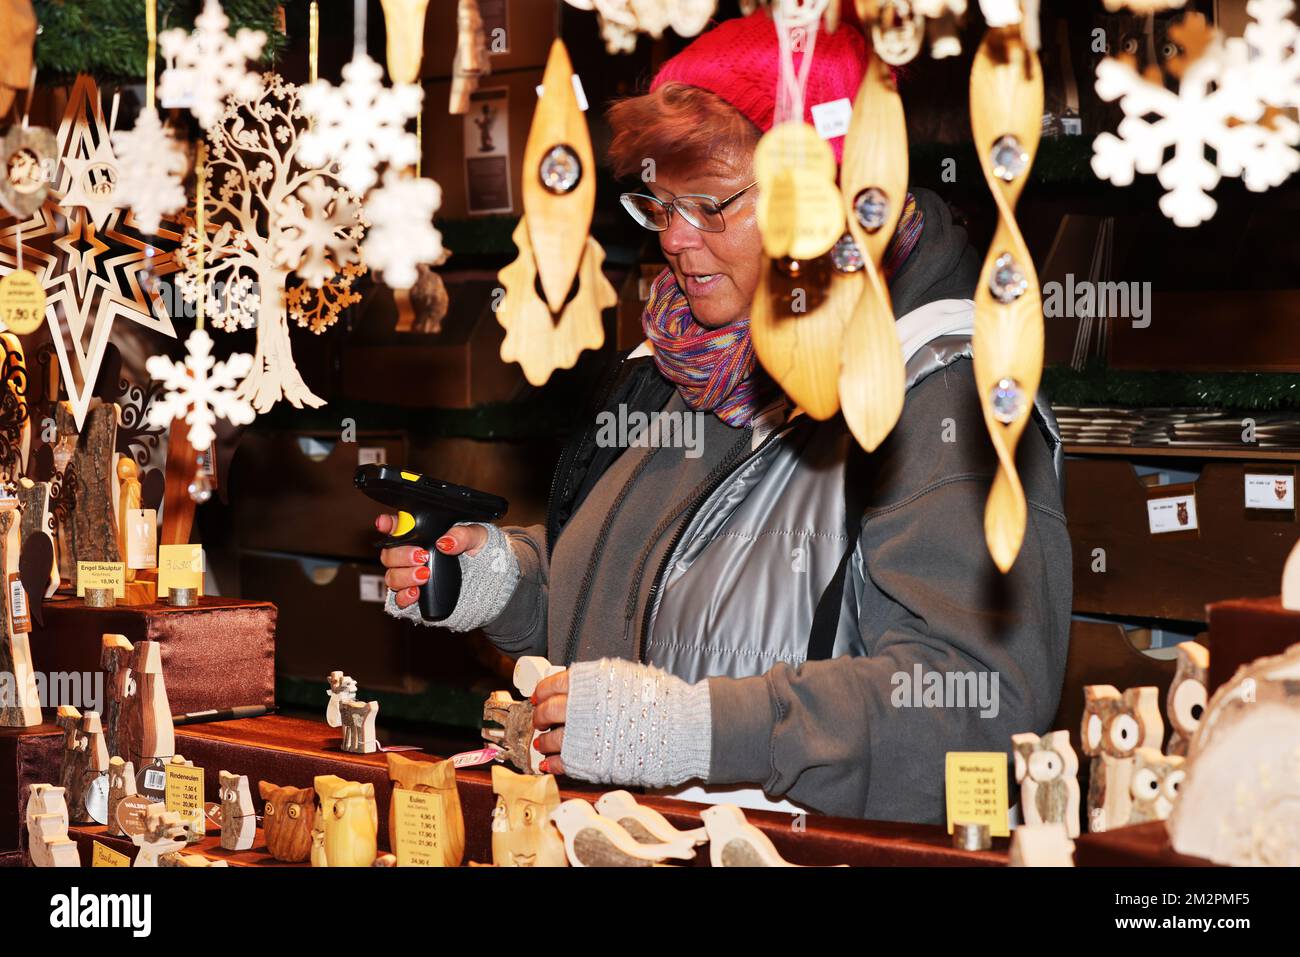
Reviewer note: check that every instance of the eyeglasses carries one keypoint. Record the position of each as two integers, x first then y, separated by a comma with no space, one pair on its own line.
702,212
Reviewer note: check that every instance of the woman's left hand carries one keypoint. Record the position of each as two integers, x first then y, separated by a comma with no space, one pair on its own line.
550,705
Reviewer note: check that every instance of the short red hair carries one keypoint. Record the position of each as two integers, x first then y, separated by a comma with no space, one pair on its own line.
681,127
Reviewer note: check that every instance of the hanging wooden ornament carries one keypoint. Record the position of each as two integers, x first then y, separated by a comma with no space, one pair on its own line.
799,210
209,65
1006,96
874,178
263,198
548,319
472,61
404,26
30,156
17,38
15,415
91,178
91,276
535,338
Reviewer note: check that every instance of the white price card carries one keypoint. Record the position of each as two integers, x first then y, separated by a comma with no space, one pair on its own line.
1176,513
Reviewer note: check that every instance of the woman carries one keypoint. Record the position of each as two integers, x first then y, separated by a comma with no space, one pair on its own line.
778,610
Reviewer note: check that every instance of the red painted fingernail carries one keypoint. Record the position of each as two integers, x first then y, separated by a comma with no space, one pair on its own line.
422,574
445,544
533,699
421,557
412,593
544,767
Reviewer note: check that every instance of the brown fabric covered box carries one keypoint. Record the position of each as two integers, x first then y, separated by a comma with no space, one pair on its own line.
219,654
27,756
1244,629
1141,845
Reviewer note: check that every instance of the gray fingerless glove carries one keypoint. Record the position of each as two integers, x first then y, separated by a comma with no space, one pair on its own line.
635,724
487,580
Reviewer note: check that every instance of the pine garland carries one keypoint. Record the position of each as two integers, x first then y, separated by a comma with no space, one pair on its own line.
1097,385
106,38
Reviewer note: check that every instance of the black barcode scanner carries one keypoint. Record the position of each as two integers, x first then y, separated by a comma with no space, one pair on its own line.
426,508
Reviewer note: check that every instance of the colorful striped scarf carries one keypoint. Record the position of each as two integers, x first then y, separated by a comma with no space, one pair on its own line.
715,370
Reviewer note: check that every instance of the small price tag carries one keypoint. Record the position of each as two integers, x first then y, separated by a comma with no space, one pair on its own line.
18,614
420,828
1270,491
22,302
372,455
184,795
373,588
1174,513
141,538
976,784
180,566
104,856
832,119
101,575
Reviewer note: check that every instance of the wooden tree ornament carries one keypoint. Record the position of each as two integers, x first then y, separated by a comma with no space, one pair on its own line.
554,248
20,705
92,535
76,756
1006,94
437,778
1047,770
121,720
38,566
157,733
875,173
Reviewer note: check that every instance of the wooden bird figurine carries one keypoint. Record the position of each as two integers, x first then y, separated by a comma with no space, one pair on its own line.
645,824
594,841
734,842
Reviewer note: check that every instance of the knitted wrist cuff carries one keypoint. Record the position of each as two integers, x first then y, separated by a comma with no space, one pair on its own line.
634,724
487,580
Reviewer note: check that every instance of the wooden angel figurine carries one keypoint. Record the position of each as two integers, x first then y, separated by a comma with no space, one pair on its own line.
347,822
522,832
429,777
1047,770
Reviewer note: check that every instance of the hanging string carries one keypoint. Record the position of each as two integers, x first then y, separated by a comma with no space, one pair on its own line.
151,34
201,226
31,89
358,27
18,239
792,83
112,114
313,42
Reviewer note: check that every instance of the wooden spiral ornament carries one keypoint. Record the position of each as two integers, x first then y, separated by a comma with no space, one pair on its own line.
874,187
1006,96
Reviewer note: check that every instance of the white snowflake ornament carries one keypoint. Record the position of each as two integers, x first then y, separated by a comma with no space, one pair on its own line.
200,390
151,169
360,124
402,234
206,66
1215,108
318,227
1273,41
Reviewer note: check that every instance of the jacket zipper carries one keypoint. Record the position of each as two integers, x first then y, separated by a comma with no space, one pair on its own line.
681,530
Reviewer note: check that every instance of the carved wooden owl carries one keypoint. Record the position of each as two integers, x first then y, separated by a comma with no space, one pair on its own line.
430,777
238,821
347,823
287,819
522,832
1047,770
1187,695
1154,786
1117,725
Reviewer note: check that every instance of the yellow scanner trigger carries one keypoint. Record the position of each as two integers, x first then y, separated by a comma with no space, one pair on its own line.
405,522
411,476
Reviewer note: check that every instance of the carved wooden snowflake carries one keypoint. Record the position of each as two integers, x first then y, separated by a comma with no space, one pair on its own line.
208,65
402,234
621,20
200,390
151,166
319,229
360,124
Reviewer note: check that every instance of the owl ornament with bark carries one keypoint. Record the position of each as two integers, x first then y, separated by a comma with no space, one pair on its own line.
269,214
1185,702
1047,770
1114,727
1240,802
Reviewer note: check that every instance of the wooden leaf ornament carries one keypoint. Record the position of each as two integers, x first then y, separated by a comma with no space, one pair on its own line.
797,325
559,181
799,210
404,27
1006,95
874,179
535,338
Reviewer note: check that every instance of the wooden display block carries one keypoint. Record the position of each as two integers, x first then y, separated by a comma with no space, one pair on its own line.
1174,575
1140,845
1245,629
217,654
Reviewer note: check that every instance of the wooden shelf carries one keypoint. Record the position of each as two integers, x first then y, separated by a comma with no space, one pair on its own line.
1235,454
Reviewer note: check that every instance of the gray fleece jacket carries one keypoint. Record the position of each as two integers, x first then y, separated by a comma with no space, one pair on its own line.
712,565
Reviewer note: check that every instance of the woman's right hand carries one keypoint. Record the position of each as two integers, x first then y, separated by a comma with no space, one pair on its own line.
408,565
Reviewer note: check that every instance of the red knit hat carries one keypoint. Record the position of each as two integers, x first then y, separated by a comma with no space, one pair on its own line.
740,61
